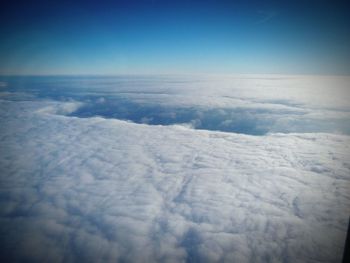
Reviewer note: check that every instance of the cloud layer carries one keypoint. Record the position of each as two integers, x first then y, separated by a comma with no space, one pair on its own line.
245,104
105,190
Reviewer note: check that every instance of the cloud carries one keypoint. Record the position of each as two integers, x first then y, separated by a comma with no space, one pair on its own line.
255,105
61,108
96,189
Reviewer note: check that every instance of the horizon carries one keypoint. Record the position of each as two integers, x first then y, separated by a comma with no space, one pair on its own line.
174,131
106,75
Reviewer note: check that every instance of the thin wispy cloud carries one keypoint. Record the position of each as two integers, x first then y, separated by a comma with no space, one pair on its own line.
267,16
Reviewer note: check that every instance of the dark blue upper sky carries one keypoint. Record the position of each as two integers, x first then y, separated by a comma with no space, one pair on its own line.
153,36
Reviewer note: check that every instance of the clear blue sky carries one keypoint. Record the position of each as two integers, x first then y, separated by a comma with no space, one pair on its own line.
160,37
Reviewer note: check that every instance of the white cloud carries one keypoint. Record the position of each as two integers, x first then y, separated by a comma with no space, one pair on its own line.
60,108
246,104
92,189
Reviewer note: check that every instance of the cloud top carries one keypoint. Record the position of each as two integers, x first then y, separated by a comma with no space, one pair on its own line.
96,189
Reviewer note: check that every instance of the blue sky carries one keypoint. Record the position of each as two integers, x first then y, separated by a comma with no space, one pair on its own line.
160,37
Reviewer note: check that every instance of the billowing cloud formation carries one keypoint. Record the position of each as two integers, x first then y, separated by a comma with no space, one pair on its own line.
245,104
105,190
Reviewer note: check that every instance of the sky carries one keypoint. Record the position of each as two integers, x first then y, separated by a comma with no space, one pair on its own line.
149,166
161,37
